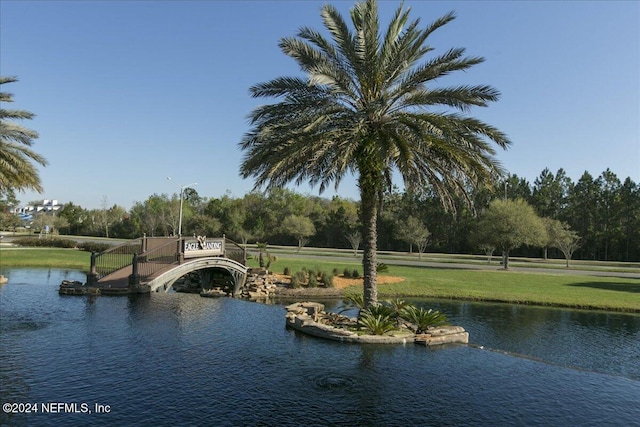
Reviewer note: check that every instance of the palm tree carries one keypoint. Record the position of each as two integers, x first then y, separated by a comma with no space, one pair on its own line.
16,170
366,106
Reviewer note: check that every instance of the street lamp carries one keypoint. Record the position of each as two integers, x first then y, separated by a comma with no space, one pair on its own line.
181,187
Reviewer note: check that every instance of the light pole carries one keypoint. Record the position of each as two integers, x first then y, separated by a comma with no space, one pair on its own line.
181,187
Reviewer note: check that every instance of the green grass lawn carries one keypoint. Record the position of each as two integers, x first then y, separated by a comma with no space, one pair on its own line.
45,257
566,290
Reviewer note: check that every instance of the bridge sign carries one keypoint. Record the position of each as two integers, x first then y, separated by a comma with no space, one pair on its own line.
200,247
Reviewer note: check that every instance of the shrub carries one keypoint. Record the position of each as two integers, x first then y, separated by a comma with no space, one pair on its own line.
346,273
313,280
46,242
355,274
327,280
287,271
354,300
94,246
300,276
295,282
382,267
375,324
380,310
335,271
423,319
397,306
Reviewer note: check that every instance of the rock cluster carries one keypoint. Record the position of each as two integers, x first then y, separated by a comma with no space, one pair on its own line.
259,284
443,335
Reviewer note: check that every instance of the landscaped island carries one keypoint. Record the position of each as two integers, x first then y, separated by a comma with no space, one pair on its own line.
310,318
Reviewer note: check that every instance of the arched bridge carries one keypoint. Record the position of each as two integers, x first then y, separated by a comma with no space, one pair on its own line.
157,263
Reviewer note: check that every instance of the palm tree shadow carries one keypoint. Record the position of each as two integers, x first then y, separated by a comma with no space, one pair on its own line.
633,288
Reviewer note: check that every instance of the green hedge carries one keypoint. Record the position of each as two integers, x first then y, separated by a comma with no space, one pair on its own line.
61,243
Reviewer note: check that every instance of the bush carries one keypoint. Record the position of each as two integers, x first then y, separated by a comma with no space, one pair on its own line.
375,324
46,242
382,267
353,301
313,280
336,272
94,246
422,318
287,271
346,273
355,274
379,310
301,276
327,280
295,282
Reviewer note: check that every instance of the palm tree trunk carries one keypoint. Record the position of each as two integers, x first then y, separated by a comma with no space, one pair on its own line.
369,212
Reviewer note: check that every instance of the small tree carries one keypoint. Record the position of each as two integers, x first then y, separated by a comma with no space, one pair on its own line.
566,240
41,221
509,224
262,249
59,223
414,232
354,239
554,229
488,250
300,227
237,217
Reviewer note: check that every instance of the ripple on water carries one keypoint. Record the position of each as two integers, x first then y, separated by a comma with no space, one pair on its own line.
333,382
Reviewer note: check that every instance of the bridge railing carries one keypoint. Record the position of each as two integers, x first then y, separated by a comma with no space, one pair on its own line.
234,251
156,259
146,262
115,258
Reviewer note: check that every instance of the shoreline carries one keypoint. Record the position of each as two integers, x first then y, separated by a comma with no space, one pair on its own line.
470,288
335,293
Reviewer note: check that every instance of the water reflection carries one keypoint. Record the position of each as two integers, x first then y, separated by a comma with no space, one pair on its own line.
594,340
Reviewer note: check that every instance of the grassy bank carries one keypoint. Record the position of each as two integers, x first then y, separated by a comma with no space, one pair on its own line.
45,258
562,290
565,290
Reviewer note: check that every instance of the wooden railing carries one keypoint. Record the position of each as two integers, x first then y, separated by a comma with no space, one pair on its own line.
147,262
115,258
150,262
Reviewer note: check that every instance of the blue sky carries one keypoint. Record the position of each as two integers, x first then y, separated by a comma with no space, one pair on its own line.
129,92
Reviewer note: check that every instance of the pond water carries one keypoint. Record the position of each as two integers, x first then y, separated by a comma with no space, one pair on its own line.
179,359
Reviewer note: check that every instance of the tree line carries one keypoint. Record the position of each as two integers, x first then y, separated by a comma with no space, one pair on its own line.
603,211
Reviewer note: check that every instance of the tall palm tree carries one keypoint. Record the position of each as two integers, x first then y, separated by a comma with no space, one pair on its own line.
17,172
367,106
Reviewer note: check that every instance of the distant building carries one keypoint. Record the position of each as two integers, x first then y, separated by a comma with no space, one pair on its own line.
46,206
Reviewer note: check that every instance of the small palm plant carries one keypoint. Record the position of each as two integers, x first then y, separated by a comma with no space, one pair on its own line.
353,302
397,305
375,324
423,319
380,310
